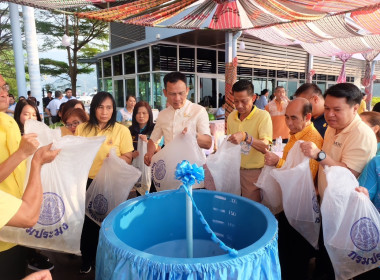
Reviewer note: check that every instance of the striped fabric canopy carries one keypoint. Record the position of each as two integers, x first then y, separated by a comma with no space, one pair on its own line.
322,27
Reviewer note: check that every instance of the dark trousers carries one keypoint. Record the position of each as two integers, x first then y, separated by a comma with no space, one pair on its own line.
293,250
89,238
13,263
323,266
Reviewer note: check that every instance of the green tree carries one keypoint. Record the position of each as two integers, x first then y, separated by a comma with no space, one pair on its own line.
88,38
7,63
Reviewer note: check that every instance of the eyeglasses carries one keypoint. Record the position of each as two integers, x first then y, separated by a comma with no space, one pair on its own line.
74,124
5,87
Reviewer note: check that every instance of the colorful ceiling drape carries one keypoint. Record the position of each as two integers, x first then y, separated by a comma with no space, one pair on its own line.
322,27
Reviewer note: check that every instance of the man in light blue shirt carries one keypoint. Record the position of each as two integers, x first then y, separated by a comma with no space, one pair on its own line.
68,96
263,99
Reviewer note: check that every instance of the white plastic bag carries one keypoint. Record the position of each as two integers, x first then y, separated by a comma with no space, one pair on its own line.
110,187
351,225
224,167
298,195
64,181
164,163
143,184
271,195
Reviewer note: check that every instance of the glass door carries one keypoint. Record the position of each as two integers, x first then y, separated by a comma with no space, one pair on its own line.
292,87
209,87
118,92
130,87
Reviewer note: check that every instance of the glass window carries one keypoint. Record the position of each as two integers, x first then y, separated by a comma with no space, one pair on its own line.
159,99
282,74
331,78
322,86
271,84
130,87
321,77
260,72
108,86
117,65
107,67
221,62
129,63
244,71
206,61
271,73
186,59
292,87
100,85
143,60
222,90
119,93
259,84
207,92
164,58
293,75
302,76
144,87
244,78
99,68
191,84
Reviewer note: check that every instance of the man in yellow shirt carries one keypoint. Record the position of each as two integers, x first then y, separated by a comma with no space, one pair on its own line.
298,120
290,242
348,142
251,128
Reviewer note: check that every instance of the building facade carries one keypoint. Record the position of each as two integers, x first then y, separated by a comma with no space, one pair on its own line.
137,66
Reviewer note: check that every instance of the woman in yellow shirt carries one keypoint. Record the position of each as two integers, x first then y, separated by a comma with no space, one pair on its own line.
102,122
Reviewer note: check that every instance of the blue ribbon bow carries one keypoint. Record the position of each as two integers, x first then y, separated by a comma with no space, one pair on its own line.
188,174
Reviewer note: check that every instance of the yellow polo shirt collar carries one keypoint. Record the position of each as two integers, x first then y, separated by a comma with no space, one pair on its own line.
249,116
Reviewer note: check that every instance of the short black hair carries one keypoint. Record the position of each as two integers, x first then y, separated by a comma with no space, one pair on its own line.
264,91
306,87
349,91
67,89
174,77
242,85
49,91
376,108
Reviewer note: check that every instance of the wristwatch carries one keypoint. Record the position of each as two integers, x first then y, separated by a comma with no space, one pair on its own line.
321,156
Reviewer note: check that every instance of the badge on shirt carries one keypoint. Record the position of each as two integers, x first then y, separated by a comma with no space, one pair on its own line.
245,148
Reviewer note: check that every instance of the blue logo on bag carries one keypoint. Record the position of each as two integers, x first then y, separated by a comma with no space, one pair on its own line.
315,204
159,170
364,234
100,205
52,209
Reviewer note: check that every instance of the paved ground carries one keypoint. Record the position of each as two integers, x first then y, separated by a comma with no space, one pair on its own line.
66,267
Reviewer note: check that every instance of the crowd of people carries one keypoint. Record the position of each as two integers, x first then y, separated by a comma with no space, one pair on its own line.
329,125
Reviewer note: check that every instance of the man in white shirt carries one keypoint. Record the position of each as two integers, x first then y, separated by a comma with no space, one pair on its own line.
179,117
68,96
53,107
